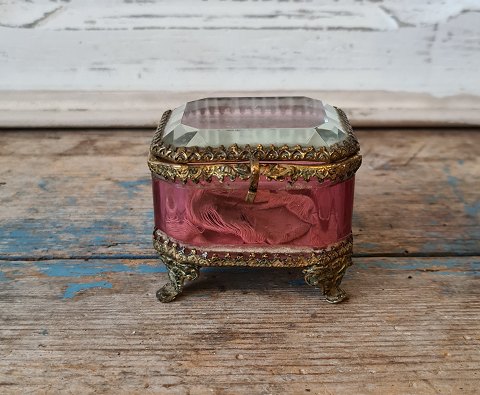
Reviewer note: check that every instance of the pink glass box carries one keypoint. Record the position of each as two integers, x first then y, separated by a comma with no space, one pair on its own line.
254,181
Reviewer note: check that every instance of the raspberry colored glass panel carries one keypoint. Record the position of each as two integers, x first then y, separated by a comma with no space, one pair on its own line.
305,214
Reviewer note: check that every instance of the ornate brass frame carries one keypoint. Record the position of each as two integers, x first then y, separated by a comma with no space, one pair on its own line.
197,163
234,153
336,163
335,172
323,268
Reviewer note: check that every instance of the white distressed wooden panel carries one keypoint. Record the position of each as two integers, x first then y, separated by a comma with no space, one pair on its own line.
412,51
144,108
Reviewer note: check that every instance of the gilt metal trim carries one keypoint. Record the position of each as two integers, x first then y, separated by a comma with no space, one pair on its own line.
322,268
235,153
178,273
328,277
335,172
172,250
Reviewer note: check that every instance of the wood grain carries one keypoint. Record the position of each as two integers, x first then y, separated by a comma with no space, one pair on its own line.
349,49
69,194
128,109
78,277
410,326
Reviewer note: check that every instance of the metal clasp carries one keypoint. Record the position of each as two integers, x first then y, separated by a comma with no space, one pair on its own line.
254,177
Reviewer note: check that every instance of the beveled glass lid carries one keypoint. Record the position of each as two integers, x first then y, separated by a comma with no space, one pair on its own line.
213,122
266,128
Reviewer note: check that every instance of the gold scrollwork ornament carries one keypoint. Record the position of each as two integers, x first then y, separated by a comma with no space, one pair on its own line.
322,268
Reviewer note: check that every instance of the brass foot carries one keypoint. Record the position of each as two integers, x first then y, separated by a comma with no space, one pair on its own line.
328,276
178,273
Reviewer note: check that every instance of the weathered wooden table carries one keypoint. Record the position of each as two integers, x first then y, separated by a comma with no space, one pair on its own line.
79,274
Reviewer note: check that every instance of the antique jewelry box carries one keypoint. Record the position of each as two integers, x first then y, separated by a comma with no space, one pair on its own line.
254,181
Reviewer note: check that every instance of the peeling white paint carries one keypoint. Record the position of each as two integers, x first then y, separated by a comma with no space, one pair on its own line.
418,47
164,14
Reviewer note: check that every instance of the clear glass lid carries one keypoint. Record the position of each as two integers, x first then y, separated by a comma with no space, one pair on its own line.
214,122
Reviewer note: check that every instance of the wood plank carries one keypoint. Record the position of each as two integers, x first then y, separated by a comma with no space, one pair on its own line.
287,14
67,194
100,109
115,15
165,48
410,326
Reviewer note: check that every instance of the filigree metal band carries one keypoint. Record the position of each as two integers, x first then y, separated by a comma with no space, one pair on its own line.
334,172
234,153
172,250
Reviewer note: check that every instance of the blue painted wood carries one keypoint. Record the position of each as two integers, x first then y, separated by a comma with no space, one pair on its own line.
72,277
88,195
75,288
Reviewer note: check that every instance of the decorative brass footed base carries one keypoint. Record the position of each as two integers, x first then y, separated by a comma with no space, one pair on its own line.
328,277
178,273
322,268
